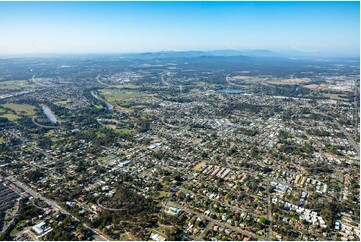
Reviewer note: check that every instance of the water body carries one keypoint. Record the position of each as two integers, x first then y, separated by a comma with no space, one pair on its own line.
109,106
230,91
49,114
296,89
96,96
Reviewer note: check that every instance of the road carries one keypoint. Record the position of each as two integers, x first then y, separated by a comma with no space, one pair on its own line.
356,109
54,205
102,83
164,82
44,126
40,84
27,232
268,210
352,142
233,208
231,83
214,221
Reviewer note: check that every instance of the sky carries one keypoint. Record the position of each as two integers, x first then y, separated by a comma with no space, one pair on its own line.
124,27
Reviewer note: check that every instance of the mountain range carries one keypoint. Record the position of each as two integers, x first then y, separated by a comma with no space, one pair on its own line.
190,54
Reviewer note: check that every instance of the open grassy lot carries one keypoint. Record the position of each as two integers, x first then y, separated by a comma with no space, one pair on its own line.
289,81
120,131
63,102
111,126
199,166
239,77
317,86
1,139
124,131
128,86
15,85
25,109
336,96
127,237
10,116
163,194
14,231
49,133
115,95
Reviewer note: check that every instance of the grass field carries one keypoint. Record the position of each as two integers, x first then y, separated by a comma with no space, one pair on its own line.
128,86
25,109
240,77
14,231
336,96
124,131
15,85
127,237
1,139
289,81
10,116
49,133
114,95
111,126
55,139
163,194
317,86
63,102
199,166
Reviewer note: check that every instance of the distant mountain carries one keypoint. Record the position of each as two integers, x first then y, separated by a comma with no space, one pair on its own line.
165,54
190,54
222,53
241,52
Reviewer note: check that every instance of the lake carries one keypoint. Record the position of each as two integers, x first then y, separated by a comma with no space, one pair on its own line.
49,114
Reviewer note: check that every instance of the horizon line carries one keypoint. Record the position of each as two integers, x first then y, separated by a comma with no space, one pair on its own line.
283,53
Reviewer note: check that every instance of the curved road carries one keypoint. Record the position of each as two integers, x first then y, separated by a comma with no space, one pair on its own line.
43,126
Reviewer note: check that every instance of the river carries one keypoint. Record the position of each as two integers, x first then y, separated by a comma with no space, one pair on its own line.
109,106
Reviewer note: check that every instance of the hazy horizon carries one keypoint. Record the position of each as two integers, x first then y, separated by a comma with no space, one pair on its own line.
292,28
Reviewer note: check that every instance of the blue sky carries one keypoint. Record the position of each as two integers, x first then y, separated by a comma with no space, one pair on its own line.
108,27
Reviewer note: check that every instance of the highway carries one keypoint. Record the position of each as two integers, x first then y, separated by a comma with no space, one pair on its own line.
356,109
268,229
54,205
44,126
40,84
352,142
231,83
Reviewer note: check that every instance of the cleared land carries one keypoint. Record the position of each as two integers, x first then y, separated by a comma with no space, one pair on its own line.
124,131
112,95
336,96
63,102
289,81
15,85
19,109
317,86
128,86
199,166
10,116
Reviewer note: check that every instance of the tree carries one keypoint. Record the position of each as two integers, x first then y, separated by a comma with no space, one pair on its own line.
263,220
